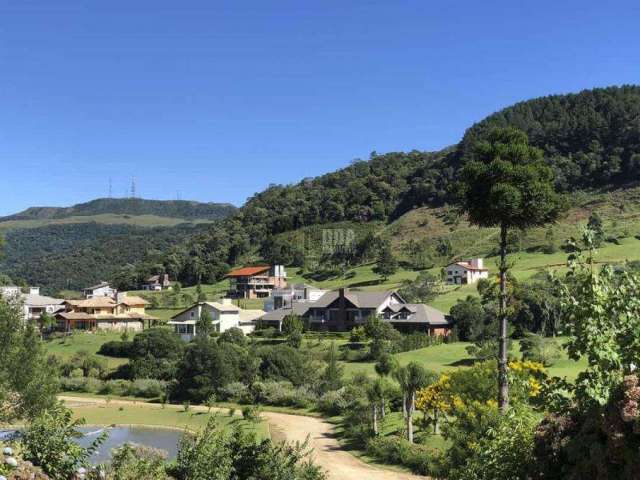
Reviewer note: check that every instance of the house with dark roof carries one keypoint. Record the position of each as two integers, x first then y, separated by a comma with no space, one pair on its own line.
256,282
156,283
342,310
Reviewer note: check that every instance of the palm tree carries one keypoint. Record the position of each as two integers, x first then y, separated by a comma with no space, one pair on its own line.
385,365
412,378
376,394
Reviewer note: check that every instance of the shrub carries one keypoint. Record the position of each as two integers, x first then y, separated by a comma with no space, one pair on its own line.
147,388
50,443
333,402
137,462
251,413
116,349
540,349
398,451
612,239
282,394
81,384
115,387
236,392
233,335
357,335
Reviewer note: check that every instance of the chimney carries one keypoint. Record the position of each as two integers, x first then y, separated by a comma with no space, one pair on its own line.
476,263
342,309
226,301
34,290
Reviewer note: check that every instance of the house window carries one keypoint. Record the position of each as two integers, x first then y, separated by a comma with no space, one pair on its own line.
192,313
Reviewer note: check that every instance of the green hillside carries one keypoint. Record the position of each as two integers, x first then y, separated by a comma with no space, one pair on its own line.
177,209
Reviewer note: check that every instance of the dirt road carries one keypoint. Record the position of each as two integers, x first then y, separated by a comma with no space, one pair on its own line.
327,451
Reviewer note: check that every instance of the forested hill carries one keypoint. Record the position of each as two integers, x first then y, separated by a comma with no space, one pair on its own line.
183,209
591,138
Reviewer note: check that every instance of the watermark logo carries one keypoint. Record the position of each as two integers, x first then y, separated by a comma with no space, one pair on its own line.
338,240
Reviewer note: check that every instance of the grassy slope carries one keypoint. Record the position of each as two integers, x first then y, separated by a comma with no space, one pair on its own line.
441,358
66,347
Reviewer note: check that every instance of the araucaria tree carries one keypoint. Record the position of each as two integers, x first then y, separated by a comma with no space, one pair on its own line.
506,184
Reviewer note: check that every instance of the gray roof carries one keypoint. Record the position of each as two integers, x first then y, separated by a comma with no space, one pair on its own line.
40,300
95,287
359,299
423,314
299,308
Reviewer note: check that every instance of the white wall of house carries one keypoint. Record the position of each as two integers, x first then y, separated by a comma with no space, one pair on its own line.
221,320
105,291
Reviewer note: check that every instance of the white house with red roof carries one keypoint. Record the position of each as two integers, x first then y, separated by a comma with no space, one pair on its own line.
466,271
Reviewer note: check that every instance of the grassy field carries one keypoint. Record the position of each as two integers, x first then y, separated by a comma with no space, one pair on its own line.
66,347
449,356
155,415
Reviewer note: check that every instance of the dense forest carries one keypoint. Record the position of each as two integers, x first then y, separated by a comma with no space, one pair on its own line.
185,209
78,255
591,139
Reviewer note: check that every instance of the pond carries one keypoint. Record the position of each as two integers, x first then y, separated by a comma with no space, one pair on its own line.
161,438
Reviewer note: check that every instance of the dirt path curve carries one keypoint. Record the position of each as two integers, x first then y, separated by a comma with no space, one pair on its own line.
327,451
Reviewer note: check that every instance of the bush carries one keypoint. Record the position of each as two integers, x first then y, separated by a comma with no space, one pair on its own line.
146,388
236,392
137,462
268,332
540,349
282,394
357,335
115,387
81,384
251,413
116,349
233,335
398,451
612,239
333,402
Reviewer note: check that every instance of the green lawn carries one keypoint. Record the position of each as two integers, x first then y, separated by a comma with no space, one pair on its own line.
66,347
155,415
448,356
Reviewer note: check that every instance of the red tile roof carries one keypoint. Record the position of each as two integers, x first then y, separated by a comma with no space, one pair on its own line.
248,271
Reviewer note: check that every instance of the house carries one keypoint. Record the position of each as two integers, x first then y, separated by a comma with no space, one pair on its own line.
104,313
343,310
298,292
463,272
156,283
103,289
224,315
32,304
256,282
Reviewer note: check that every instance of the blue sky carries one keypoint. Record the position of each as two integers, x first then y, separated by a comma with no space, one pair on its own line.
213,100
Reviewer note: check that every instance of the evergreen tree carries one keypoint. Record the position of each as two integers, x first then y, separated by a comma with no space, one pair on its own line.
595,225
506,184
332,376
204,325
387,264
